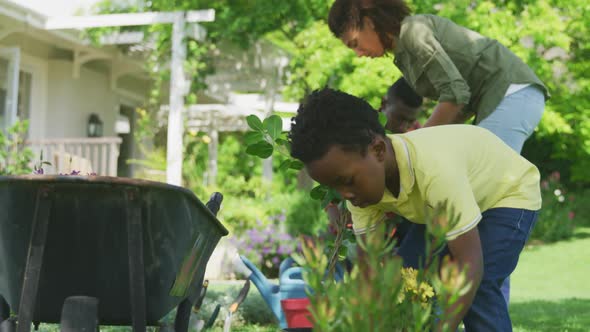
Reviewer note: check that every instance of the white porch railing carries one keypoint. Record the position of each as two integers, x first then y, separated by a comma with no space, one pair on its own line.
101,153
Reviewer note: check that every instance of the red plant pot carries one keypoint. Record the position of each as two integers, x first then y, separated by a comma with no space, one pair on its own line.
296,313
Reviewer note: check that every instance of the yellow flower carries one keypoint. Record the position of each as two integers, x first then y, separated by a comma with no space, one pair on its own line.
426,291
409,276
419,293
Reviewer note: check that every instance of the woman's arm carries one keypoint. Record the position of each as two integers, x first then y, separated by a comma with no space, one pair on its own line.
434,72
446,112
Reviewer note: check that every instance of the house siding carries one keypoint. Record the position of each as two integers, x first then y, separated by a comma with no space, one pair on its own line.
71,101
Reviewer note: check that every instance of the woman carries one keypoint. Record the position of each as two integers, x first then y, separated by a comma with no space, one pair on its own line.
469,74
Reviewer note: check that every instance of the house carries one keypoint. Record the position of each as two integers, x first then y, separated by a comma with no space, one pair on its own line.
65,86
57,81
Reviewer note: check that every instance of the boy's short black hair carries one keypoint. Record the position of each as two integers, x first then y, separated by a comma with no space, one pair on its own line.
403,91
328,117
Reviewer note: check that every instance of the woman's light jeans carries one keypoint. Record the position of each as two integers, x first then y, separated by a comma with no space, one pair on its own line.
514,120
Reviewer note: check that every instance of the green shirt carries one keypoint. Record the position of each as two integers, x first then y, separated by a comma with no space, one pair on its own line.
446,62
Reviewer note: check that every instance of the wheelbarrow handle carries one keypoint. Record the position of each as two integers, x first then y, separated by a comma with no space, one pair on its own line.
213,317
199,301
214,202
241,296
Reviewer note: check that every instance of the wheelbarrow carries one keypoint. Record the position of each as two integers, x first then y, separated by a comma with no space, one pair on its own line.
127,250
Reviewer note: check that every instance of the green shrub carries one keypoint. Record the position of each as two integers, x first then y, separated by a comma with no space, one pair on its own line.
557,217
253,310
266,245
241,213
304,216
15,157
581,206
384,296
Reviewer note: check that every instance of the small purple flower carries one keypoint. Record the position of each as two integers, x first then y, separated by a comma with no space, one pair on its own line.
283,250
258,240
285,237
275,260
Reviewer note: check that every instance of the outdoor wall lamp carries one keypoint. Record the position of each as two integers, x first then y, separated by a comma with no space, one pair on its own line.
94,126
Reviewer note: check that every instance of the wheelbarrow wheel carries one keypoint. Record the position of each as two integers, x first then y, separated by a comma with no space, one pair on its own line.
79,314
4,309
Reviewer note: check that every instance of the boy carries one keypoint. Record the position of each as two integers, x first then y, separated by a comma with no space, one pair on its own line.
496,192
401,105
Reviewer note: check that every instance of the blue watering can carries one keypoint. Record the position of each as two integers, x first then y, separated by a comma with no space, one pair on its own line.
291,285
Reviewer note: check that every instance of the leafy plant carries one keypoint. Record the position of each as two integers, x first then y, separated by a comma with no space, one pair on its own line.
266,246
557,217
264,139
15,156
379,294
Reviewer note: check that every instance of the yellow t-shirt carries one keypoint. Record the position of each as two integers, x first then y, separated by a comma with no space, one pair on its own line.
466,166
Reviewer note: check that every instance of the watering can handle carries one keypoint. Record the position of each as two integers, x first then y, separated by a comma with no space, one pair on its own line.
285,264
214,202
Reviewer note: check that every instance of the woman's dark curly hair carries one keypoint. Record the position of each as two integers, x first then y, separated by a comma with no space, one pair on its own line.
386,15
328,117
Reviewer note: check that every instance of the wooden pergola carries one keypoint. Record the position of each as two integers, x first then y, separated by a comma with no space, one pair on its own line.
231,117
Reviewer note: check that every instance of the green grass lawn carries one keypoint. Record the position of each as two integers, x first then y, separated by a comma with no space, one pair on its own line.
550,288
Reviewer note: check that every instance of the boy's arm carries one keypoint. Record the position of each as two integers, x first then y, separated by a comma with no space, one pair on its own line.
368,226
467,255
451,189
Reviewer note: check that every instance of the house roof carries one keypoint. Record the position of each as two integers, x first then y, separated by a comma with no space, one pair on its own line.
24,27
59,7
257,70
17,18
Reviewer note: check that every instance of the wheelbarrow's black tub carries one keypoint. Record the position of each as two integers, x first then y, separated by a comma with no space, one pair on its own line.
86,249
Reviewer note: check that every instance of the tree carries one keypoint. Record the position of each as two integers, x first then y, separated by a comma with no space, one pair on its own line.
549,35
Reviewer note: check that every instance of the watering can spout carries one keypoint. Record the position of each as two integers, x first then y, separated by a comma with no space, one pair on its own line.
268,290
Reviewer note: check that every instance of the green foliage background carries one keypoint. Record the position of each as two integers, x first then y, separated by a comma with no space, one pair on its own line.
549,35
